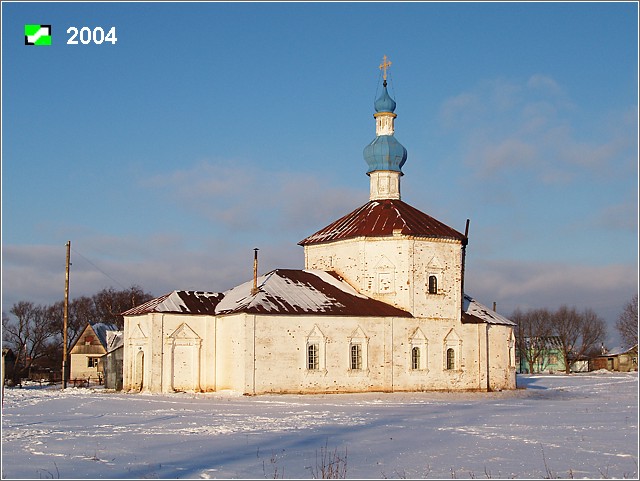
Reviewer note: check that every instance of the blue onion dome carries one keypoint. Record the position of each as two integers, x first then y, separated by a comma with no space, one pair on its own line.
385,153
385,103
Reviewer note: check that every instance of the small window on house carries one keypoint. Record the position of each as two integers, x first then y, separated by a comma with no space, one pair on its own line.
356,356
92,362
313,361
433,285
451,359
415,358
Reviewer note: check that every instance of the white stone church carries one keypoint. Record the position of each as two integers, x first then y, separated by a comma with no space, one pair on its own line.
380,306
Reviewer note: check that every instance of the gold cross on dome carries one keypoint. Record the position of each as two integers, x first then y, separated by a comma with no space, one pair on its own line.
384,66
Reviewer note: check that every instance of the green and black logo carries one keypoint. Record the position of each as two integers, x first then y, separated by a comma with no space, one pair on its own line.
37,34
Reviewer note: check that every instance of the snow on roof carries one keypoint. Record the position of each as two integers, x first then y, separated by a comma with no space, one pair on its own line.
282,291
473,311
101,329
115,339
616,351
188,302
380,218
289,291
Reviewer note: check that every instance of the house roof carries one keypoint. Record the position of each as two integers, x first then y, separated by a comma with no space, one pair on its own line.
188,302
616,351
540,342
115,339
474,312
282,292
380,218
100,330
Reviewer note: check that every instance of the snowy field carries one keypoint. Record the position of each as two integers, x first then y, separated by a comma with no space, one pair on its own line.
576,426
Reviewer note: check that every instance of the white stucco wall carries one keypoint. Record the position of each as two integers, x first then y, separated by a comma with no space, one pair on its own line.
169,352
396,270
227,362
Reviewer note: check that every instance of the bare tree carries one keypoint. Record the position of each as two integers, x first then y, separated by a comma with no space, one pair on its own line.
81,312
30,334
534,329
577,333
627,323
110,304
35,332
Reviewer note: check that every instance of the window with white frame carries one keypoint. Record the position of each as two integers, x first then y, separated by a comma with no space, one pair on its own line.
415,358
315,344
433,284
417,351
92,361
452,349
313,358
356,357
358,351
451,359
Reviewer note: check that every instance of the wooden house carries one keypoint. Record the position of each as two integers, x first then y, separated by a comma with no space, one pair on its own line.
618,359
86,351
546,353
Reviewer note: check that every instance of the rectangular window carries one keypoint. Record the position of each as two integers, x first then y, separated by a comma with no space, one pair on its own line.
313,361
433,285
356,356
415,358
92,362
451,359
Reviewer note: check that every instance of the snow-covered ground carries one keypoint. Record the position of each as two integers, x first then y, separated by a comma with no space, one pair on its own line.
569,426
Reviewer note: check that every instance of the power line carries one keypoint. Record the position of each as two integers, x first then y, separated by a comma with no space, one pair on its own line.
103,272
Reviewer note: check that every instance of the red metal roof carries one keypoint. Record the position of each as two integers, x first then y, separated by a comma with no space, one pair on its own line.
475,313
282,292
380,218
311,292
187,302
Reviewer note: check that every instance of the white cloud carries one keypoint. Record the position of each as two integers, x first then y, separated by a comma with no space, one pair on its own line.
545,83
237,209
509,153
525,285
454,109
245,198
37,273
533,127
622,216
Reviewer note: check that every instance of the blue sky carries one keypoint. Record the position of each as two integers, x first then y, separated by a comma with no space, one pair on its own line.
209,129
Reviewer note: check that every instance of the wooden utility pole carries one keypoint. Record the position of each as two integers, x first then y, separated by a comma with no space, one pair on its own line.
66,318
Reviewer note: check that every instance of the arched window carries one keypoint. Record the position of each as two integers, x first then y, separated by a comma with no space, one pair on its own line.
313,360
356,356
433,285
451,358
415,358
